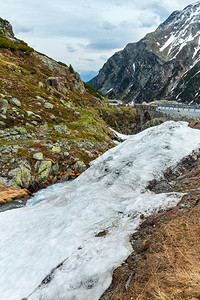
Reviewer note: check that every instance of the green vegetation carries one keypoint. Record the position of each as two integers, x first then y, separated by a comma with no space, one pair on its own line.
71,69
62,64
93,91
5,43
25,48
121,118
3,21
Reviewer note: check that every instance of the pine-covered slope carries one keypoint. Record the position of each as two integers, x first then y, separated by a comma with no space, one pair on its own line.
164,64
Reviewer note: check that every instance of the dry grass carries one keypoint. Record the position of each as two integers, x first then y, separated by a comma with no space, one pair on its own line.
171,263
168,268
9,194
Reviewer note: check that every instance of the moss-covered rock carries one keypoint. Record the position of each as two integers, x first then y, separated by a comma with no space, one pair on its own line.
15,102
29,113
44,170
52,117
66,104
48,105
62,129
41,85
56,149
21,176
38,156
3,106
80,165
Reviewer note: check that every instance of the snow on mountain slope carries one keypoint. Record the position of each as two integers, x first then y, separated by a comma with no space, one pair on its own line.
53,250
184,30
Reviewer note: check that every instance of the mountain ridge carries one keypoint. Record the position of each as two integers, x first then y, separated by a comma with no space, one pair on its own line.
154,67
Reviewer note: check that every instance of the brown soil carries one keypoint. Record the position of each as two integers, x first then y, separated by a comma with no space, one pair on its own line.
165,262
9,194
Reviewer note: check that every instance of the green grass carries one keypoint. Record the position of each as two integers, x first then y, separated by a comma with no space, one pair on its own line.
93,91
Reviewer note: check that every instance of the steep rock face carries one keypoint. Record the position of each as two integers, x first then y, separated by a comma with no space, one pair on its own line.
157,66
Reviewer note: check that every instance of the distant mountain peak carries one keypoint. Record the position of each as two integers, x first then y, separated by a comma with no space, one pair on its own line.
155,66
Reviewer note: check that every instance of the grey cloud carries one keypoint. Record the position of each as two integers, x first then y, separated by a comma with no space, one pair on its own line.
87,59
103,57
70,48
108,26
104,44
22,29
147,21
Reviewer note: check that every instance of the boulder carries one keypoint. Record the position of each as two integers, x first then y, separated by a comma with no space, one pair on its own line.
29,113
41,85
151,123
66,104
58,83
21,176
52,117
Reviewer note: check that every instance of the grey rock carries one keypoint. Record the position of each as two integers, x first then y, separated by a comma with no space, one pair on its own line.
64,177
54,169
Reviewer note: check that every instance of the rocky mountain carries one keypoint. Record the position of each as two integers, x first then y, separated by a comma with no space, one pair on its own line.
51,123
162,65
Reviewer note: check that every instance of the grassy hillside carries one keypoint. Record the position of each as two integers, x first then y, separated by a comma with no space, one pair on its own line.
51,123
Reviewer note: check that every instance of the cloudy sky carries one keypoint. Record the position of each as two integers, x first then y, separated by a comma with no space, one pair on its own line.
85,33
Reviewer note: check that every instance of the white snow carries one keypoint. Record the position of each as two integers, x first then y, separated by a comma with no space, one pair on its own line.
168,42
133,67
109,90
120,135
62,228
45,193
182,31
196,49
